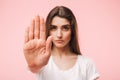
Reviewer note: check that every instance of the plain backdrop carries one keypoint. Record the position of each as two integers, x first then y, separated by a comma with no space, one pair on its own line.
99,34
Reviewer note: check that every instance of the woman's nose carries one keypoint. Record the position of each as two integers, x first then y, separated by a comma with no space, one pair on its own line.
59,33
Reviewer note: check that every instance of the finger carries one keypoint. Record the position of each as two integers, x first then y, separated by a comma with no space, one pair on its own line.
26,37
37,27
31,30
42,29
48,45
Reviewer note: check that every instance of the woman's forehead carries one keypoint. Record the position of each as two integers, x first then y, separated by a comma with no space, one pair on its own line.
59,21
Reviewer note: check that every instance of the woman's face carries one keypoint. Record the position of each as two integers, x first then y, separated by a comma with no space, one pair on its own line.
60,29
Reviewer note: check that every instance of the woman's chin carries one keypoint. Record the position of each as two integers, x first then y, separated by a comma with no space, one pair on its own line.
59,46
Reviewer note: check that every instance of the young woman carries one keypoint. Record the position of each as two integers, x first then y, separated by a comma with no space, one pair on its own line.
52,50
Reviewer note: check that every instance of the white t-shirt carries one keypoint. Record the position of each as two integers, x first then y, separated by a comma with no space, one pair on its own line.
84,69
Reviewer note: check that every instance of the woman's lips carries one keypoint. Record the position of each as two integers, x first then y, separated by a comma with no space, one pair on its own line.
59,41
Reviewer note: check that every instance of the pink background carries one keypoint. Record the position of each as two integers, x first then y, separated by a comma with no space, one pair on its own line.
99,32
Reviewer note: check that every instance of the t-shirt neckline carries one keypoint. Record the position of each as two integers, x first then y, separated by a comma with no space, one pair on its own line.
65,71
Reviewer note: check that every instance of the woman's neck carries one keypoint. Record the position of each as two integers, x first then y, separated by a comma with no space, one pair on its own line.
61,51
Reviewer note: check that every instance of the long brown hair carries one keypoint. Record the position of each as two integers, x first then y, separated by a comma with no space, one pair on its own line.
66,13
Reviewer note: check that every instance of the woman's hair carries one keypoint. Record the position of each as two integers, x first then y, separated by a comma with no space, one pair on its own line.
66,13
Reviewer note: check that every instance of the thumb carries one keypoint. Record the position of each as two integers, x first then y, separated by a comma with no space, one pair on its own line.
48,45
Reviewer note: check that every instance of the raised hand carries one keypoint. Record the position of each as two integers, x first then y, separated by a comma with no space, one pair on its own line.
37,49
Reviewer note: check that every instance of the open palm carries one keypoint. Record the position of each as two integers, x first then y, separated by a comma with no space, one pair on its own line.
36,47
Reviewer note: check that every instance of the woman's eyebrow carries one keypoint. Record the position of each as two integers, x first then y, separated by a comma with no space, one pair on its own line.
66,25
62,25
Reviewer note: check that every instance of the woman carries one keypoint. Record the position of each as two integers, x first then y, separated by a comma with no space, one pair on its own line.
52,52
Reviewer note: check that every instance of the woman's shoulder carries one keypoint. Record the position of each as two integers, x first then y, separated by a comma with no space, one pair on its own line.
82,59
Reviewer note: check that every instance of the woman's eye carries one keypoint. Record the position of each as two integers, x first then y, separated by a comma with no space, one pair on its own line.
53,27
66,27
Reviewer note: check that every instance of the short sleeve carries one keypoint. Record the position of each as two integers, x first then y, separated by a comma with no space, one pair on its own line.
92,73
